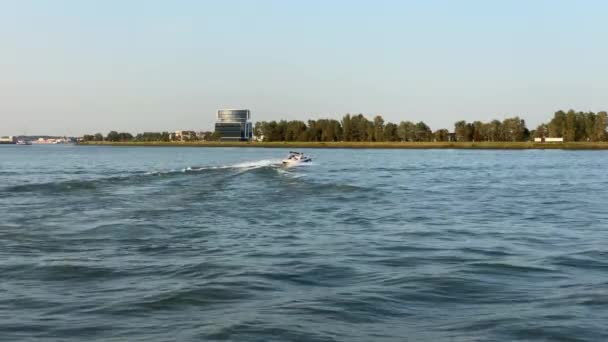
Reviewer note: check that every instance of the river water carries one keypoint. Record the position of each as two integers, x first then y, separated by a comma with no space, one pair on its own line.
202,244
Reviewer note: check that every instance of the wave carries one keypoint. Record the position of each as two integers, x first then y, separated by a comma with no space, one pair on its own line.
202,183
61,271
509,269
307,274
134,177
209,294
453,289
263,330
588,260
75,185
350,307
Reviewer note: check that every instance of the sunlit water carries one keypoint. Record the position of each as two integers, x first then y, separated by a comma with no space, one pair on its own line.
196,244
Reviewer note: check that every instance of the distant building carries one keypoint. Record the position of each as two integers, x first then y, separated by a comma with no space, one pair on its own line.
549,140
53,141
234,124
183,136
8,140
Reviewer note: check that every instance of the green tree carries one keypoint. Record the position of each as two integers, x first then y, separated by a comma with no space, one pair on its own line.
514,129
423,132
275,131
588,126
165,136
570,126
599,131
331,130
347,128
257,129
295,131
390,132
477,131
216,136
112,136
461,131
339,131
495,131
208,136
541,131
378,128
441,135
402,131
281,128
122,136
359,128
313,132
406,131
485,131
411,131
557,125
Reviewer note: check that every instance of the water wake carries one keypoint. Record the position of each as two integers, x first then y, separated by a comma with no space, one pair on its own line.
136,177
252,165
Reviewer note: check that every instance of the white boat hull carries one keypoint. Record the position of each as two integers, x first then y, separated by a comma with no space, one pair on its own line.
291,162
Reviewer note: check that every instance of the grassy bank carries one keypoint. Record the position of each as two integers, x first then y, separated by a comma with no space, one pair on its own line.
372,145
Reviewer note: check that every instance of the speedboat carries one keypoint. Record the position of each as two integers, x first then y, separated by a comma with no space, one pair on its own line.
23,142
296,158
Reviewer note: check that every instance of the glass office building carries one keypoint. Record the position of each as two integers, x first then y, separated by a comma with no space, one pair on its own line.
234,124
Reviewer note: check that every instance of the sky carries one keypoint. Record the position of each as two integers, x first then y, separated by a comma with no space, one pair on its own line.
69,67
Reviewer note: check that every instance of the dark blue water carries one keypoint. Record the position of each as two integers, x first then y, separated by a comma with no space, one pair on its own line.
194,244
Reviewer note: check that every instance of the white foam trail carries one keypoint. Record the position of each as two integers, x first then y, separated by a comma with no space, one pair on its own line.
239,166
160,173
297,165
256,164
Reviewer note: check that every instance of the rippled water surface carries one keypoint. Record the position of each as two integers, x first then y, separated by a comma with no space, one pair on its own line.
195,244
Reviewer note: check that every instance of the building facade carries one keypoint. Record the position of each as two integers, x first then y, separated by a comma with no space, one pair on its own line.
234,125
8,140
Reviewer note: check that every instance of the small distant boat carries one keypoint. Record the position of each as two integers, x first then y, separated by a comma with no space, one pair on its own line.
296,158
23,142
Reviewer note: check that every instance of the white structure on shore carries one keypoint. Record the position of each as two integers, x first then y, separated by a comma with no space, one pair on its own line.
183,136
549,140
52,141
8,140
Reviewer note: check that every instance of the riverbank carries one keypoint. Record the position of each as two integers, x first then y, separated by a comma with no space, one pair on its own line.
369,145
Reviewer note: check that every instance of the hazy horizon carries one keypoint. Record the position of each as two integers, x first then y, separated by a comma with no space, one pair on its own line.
72,67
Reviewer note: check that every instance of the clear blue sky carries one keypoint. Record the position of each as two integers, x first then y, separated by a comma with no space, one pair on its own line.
70,67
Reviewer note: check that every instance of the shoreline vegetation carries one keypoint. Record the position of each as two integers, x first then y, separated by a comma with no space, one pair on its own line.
517,145
577,130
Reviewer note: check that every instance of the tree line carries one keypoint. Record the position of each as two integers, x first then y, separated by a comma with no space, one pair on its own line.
350,128
571,125
112,136
115,136
359,128
511,129
575,126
